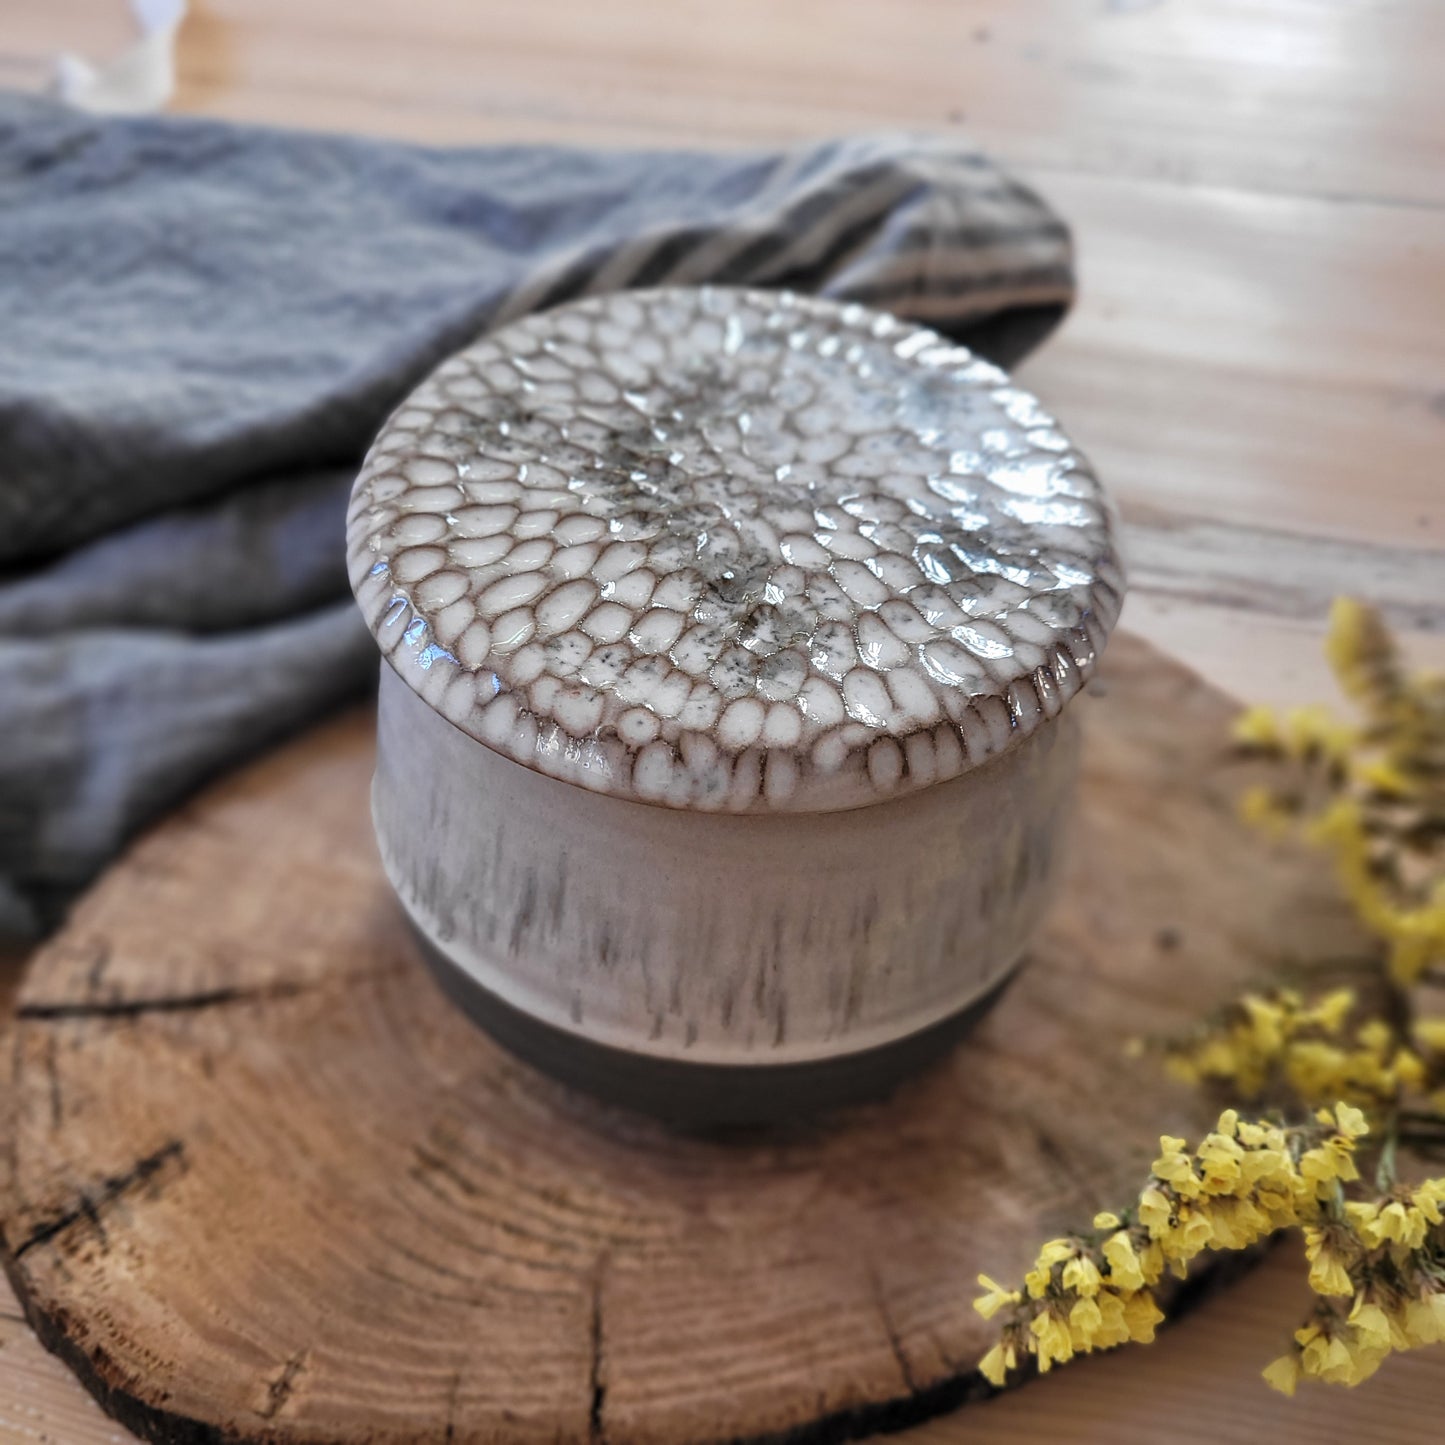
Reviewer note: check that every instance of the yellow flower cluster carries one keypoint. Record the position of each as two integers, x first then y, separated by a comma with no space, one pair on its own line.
1378,789
1264,1043
1428,1036
1413,927
1404,1217
1346,1348
1302,735
1093,1291
1384,1258
1404,715
1374,795
1364,658
1078,1297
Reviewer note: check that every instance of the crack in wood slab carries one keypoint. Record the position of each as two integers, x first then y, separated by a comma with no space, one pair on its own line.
282,1385
452,1392
89,1206
597,1373
122,1008
170,1003
890,1329
52,1080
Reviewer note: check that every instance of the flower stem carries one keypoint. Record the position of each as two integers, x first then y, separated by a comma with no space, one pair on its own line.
1385,1170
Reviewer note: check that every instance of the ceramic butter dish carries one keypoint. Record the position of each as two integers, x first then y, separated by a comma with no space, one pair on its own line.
728,639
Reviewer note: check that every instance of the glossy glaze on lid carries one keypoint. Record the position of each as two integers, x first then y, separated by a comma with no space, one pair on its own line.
736,550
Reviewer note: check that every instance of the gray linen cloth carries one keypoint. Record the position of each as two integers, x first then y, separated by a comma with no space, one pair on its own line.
202,325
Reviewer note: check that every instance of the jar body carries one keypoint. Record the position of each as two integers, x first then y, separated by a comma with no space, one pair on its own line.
661,948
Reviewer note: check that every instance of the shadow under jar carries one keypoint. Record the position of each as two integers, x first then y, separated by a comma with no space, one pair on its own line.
728,637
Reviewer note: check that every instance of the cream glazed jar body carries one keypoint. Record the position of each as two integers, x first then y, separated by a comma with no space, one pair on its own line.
724,757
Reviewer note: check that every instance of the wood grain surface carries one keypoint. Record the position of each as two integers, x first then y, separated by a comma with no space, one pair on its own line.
266,1181
1258,192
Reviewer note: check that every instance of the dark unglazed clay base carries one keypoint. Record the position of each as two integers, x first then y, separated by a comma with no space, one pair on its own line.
703,1096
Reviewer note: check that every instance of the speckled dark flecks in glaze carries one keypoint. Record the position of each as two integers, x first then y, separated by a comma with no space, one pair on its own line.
733,550
726,939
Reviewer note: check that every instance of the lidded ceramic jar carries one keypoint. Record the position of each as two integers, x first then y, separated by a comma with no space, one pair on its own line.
728,638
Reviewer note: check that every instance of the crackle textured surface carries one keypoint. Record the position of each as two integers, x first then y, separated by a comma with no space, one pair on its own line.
728,549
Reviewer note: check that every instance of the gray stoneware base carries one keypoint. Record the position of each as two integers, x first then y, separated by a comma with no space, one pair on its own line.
704,1096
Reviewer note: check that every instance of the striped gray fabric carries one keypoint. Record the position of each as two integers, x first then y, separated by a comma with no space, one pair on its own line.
205,324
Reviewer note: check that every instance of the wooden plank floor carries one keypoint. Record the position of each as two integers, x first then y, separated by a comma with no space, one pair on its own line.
1257,364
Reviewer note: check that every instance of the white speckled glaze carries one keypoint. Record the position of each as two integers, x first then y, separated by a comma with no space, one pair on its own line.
812,579
727,939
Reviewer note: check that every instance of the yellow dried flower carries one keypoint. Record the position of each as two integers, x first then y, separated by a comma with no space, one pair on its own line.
1416,936
1141,1315
1330,1255
1176,1168
1323,1165
1431,1033
1245,1179
1086,1319
1425,1320
997,1363
1037,1280
1113,1326
1126,1271
1257,728
1283,1374
989,1304
1081,1275
1373,795
1220,1164
1238,1223
1330,1012
1350,1121
1052,1340
1264,1044
1363,656
1155,1211
1405,1217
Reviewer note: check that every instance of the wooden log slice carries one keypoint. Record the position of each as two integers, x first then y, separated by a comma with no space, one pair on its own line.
266,1184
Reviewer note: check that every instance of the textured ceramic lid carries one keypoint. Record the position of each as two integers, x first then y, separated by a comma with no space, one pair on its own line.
731,549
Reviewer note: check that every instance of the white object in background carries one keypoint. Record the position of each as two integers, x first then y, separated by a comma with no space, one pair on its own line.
140,79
